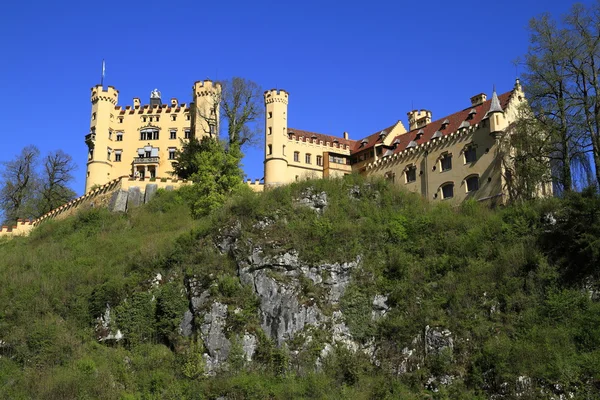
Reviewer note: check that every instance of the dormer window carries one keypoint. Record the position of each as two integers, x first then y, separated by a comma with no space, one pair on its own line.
363,142
419,134
445,123
472,114
396,143
382,135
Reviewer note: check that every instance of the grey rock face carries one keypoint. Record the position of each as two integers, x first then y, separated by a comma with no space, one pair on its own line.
249,344
282,313
187,328
118,201
213,335
151,189
437,339
380,308
104,330
134,197
316,201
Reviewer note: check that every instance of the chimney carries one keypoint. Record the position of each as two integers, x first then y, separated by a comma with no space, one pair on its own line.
346,135
136,101
418,119
478,99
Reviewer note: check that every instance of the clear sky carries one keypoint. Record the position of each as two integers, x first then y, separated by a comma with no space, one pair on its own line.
348,66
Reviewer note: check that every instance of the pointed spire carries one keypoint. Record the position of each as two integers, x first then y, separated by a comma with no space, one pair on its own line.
495,104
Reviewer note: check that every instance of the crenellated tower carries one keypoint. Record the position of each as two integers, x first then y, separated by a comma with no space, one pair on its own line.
205,113
276,137
98,139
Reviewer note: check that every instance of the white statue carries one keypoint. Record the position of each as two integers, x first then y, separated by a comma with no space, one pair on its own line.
155,94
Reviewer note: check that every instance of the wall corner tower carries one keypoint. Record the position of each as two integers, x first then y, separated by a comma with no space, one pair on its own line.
205,111
99,138
276,137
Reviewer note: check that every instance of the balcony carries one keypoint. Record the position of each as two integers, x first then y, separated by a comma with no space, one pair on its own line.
146,160
90,138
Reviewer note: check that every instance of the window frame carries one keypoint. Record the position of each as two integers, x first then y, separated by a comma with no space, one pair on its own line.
470,178
446,185
444,157
410,168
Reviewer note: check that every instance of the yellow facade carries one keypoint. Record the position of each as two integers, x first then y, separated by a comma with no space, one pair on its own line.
140,140
453,158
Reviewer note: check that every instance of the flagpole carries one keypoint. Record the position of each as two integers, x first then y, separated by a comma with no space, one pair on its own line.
102,76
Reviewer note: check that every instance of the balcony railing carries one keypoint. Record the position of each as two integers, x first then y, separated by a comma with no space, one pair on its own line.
146,160
90,138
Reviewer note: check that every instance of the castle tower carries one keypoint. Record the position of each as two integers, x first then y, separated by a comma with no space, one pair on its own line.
98,139
276,136
496,114
205,112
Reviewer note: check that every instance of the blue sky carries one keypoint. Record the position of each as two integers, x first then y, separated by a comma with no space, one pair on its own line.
348,66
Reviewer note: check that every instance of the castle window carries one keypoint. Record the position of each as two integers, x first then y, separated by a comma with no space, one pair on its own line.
410,174
390,176
119,136
211,129
187,117
472,183
187,133
320,161
91,154
173,117
307,158
109,135
172,153
149,134
269,149
172,134
93,116
270,130
283,150
148,154
118,155
470,154
270,114
296,156
157,118
446,162
144,119
108,154
447,190
120,119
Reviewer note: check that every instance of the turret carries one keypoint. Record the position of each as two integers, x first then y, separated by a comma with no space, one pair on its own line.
276,136
418,119
98,139
205,110
496,115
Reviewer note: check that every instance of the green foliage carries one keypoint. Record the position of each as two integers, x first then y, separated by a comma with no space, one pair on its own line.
214,170
516,290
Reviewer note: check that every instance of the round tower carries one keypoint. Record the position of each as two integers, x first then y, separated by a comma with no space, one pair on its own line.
98,139
205,111
276,137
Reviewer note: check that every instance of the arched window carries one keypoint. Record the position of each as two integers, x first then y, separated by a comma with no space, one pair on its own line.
472,183
447,190
470,154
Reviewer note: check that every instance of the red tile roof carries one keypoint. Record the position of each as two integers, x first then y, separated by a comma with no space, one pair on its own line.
320,136
455,120
372,140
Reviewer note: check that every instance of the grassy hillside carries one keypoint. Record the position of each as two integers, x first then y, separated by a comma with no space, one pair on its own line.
516,287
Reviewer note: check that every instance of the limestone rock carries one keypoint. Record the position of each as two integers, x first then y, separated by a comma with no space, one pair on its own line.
213,335
118,201
151,189
134,197
249,344
437,339
316,201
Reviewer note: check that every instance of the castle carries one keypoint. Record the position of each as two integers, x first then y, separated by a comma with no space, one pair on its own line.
140,141
454,157
131,149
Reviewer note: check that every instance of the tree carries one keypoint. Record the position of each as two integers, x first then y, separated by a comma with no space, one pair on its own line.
56,174
525,149
26,192
563,87
19,185
216,172
240,105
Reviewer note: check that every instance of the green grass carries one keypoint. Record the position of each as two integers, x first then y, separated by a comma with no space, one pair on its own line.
507,285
